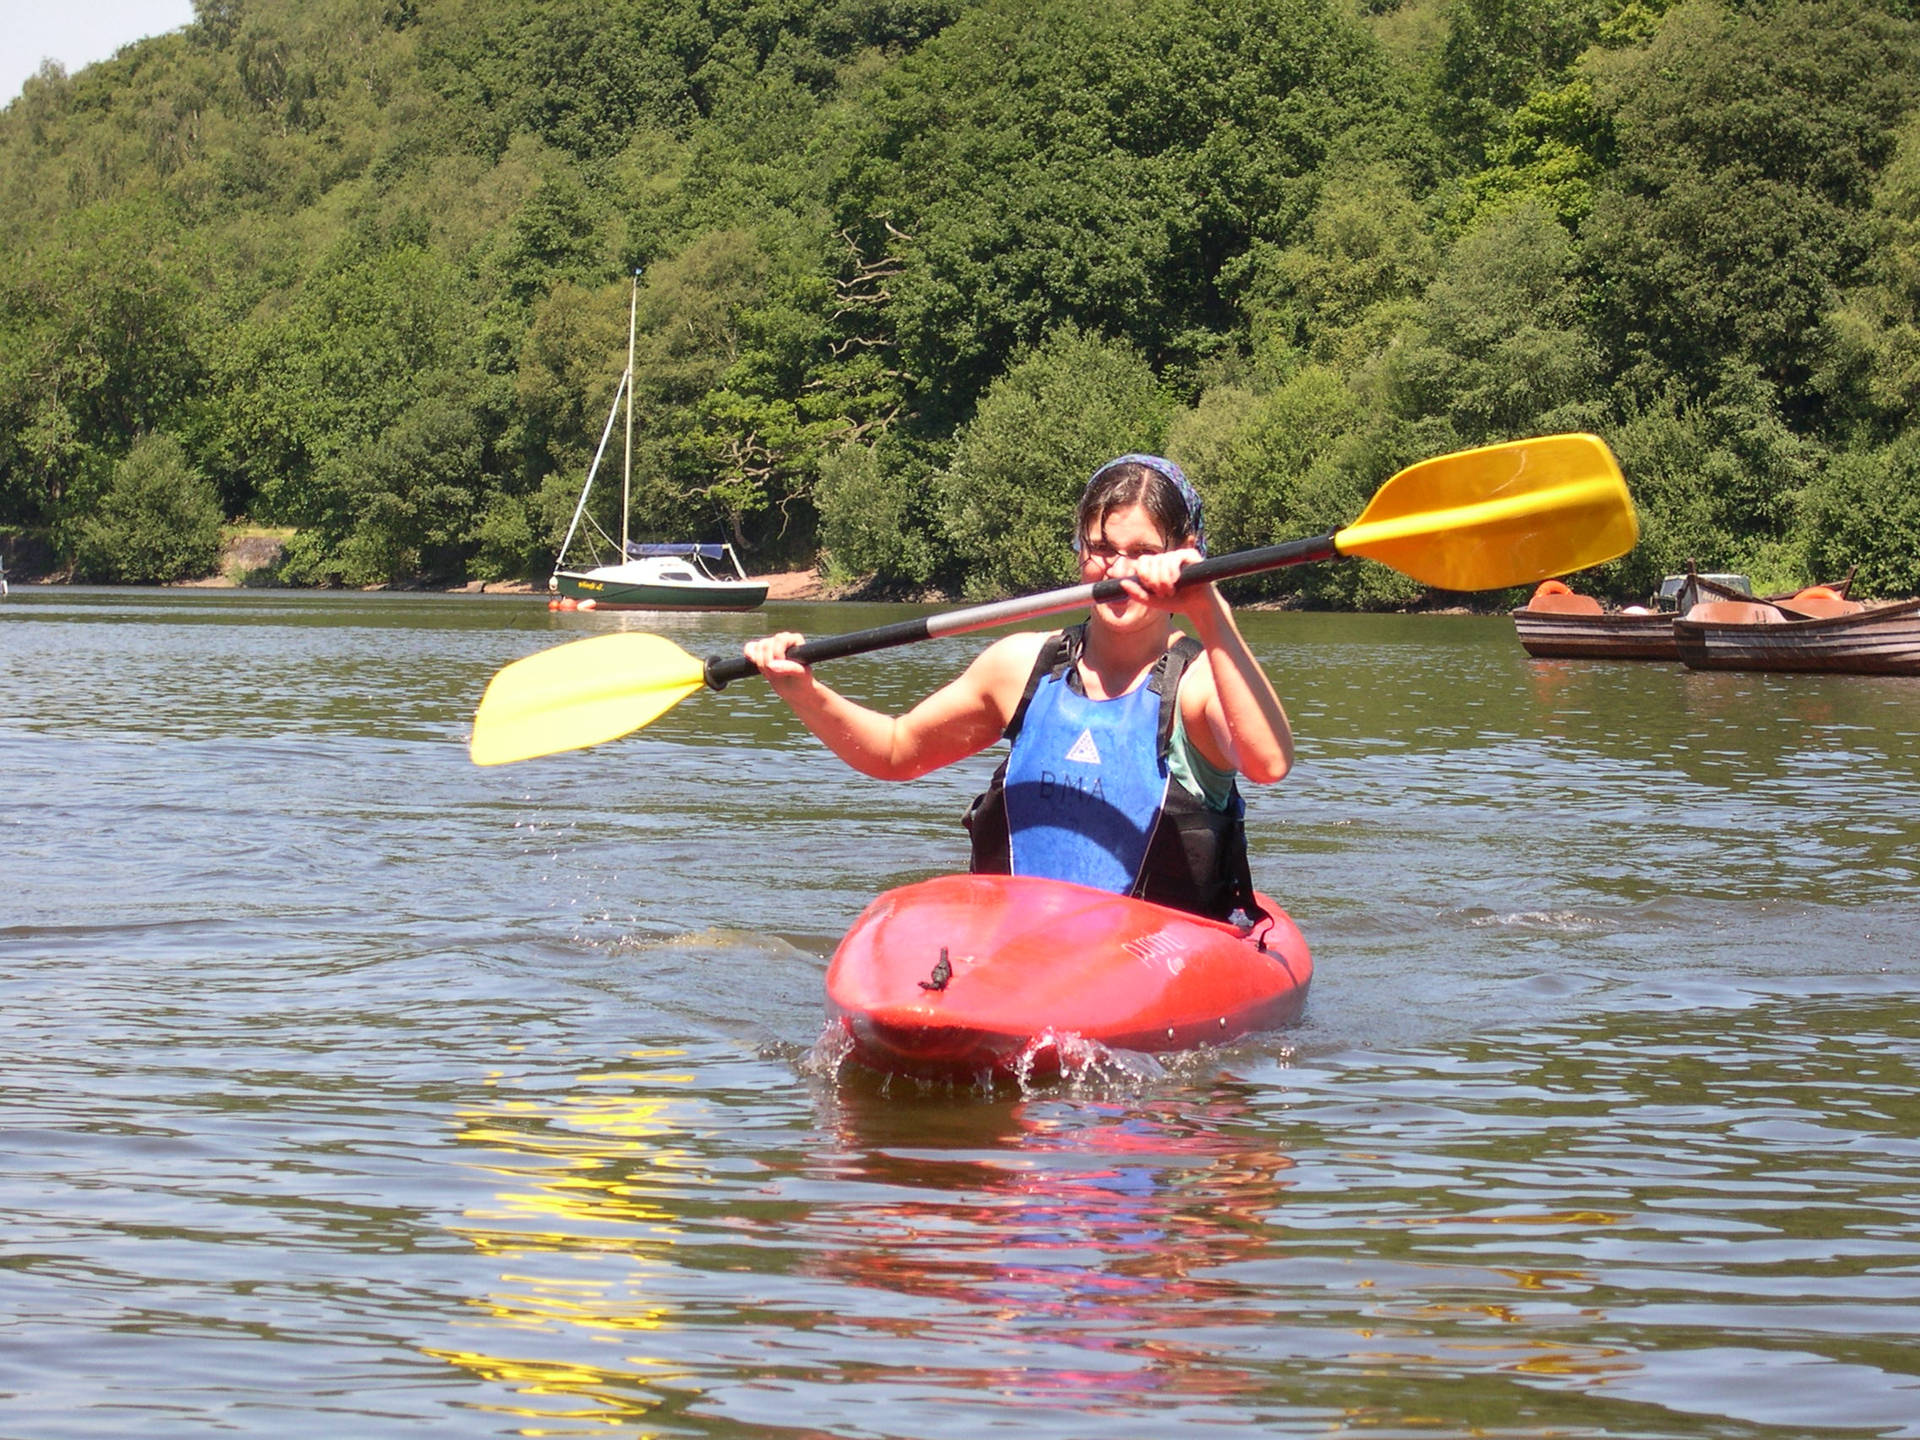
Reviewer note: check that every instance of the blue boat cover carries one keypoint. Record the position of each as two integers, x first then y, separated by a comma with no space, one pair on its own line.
637,551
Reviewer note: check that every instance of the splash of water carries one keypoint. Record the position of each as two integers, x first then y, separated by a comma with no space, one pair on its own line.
1080,1062
830,1052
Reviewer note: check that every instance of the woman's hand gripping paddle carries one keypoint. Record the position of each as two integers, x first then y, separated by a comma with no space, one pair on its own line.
1480,519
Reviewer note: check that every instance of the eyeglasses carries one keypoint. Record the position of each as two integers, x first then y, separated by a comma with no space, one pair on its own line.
1106,554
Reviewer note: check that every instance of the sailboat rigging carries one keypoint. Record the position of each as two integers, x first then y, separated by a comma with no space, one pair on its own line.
676,576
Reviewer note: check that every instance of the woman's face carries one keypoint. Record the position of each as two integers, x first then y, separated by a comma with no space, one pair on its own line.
1123,536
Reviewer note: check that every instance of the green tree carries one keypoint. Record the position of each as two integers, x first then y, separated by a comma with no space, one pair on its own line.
1555,149
158,521
571,358
1749,139
1100,166
876,517
509,539
1865,511
730,329
1495,55
1497,345
406,504
1008,494
1298,459
552,239
580,74
360,345
1250,452
1872,367
97,346
761,354
1344,289
1716,482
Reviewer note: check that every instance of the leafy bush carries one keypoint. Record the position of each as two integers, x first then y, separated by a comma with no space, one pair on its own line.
1496,345
1664,452
403,505
1340,293
1872,349
1865,511
159,520
873,521
1292,462
505,543
1335,490
1007,497
1249,452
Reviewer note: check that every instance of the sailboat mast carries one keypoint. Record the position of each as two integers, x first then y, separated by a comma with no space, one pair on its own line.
580,506
626,477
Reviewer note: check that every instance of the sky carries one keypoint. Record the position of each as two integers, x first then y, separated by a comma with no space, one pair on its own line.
76,33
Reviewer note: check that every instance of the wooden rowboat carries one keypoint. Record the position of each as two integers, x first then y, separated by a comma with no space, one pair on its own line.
1558,624
1812,631
1551,629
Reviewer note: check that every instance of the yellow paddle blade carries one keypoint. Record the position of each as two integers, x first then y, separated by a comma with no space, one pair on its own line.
1498,516
580,694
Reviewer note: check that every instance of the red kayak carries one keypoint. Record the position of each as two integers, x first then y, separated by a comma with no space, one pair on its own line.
965,976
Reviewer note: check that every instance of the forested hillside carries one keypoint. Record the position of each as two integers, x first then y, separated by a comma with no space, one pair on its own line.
912,267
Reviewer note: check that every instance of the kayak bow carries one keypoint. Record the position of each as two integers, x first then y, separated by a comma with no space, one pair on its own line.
966,976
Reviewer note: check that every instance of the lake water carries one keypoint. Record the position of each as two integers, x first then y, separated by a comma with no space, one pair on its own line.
349,1089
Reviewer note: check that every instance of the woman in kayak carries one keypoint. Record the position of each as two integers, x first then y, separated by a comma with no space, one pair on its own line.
1127,735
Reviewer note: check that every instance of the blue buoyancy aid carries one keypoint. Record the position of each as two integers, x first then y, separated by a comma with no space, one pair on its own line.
1084,785
1086,794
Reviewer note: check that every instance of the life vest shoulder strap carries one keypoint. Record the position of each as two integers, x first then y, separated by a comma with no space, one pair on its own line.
1168,672
1060,655
1058,652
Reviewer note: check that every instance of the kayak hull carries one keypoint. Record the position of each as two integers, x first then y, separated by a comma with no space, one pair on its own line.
964,977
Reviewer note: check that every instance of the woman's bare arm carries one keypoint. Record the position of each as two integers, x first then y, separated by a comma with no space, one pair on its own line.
1245,727
959,719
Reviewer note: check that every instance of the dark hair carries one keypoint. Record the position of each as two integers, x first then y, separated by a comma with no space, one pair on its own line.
1127,482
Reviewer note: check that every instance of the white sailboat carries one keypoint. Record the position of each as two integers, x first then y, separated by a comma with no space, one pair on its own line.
653,576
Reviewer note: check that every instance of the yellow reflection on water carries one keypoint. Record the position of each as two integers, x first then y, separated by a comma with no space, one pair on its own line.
577,1231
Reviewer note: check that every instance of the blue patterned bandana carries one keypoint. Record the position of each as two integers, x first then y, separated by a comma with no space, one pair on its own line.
1160,465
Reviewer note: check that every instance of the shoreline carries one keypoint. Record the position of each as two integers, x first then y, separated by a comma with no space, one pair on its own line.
781,585
785,586
247,559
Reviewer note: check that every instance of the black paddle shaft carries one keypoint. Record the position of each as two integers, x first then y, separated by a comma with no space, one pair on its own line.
722,670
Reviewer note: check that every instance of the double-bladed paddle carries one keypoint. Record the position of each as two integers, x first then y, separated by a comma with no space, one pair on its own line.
1477,520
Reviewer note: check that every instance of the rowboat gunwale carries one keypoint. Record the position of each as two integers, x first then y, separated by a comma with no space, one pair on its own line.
1548,636
1882,639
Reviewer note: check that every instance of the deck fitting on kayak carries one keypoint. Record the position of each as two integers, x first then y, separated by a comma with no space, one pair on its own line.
942,973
